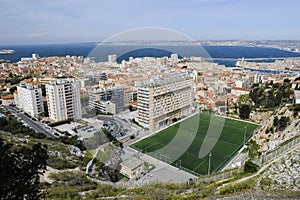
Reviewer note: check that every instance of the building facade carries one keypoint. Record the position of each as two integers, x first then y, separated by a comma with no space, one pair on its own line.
29,98
161,102
239,91
132,167
107,99
7,100
63,98
112,58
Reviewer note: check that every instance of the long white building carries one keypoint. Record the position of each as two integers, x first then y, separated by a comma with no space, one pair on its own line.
63,98
162,101
29,99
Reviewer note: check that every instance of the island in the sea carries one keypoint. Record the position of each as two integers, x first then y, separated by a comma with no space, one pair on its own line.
6,51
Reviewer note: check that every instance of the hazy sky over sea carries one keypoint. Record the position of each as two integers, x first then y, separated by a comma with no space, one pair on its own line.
57,21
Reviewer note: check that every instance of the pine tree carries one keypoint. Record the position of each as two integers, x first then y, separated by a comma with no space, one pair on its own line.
20,167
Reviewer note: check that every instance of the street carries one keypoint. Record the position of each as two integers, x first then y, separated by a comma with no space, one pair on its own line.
35,125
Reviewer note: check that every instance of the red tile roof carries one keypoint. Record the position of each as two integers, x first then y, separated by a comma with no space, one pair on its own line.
7,97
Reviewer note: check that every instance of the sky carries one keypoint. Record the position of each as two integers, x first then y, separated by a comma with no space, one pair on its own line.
68,21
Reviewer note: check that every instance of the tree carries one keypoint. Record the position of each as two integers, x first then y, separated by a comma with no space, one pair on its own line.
3,122
131,108
132,137
279,96
244,98
255,94
255,85
250,167
12,89
73,140
286,80
271,95
275,121
84,98
296,109
244,111
270,101
20,167
283,122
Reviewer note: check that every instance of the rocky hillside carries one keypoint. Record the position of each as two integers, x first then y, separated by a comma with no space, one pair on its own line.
277,128
283,174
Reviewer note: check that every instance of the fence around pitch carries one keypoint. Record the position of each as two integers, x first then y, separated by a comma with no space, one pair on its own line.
219,176
278,151
168,160
229,158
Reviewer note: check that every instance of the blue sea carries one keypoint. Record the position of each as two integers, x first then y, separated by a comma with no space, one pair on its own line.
219,54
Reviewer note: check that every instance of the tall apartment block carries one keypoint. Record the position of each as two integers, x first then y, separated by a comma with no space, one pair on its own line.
112,58
28,98
63,97
107,99
161,101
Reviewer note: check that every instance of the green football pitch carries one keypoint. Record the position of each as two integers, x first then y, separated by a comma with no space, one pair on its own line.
188,144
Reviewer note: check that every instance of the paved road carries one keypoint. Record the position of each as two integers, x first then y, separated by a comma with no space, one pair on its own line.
236,161
35,125
117,125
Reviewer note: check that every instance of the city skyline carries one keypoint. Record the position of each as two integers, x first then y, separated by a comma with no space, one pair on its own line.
29,22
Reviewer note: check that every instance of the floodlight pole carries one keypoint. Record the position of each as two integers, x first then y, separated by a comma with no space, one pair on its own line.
209,159
245,134
179,164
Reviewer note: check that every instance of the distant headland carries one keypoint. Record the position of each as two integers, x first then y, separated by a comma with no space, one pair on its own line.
6,51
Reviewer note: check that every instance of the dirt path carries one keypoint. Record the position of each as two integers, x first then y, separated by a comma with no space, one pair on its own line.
262,169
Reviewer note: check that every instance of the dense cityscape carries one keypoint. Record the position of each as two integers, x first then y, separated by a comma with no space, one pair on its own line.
104,111
149,100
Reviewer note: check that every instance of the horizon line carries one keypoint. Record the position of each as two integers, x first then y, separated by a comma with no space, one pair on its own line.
204,40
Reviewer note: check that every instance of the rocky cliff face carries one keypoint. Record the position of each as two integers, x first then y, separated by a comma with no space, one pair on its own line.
269,137
283,174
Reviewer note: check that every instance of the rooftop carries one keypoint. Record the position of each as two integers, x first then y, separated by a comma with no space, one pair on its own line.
241,89
132,163
157,83
7,97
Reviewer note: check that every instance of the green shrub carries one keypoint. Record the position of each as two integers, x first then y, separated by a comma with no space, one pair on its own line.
250,167
68,121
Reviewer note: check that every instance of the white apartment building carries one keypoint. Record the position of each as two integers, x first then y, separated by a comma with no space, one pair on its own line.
296,97
63,97
162,61
239,91
29,99
174,58
160,102
243,83
112,58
